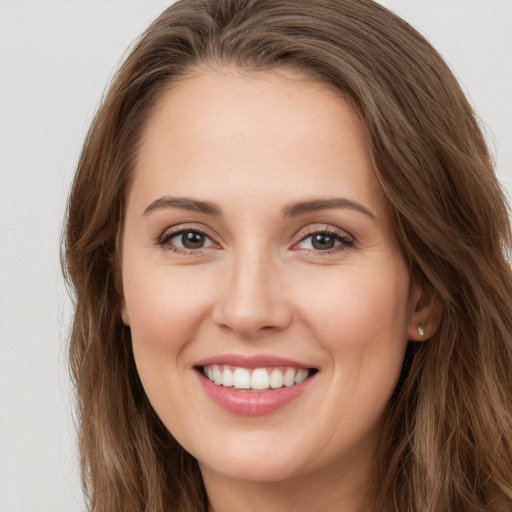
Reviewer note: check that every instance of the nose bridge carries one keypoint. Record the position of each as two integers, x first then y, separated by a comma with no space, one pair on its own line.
252,300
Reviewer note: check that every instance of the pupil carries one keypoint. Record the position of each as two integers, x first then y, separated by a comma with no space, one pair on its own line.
191,240
323,242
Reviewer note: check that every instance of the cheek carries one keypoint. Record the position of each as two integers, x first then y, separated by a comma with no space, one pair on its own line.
163,306
359,320
165,312
359,313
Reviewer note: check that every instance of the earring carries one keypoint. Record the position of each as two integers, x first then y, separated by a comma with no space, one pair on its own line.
421,332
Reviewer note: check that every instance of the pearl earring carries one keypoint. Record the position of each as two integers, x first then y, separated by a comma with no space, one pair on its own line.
421,332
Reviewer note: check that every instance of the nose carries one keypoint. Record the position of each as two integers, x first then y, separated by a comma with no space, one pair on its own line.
252,301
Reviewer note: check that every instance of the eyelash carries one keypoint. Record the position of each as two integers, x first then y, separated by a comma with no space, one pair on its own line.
164,240
339,236
345,240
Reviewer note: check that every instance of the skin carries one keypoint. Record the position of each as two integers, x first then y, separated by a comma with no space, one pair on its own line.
252,145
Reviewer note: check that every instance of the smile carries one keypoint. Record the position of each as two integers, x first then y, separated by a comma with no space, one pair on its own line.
254,386
257,378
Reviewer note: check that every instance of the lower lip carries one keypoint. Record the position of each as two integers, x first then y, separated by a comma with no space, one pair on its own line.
252,403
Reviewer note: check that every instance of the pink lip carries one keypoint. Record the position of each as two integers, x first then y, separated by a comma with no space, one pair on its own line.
260,361
252,403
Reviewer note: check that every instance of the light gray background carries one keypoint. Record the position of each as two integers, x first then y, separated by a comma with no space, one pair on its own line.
55,59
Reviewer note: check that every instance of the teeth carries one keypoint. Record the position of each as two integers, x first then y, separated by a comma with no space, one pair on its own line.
227,377
241,378
301,376
260,378
217,375
276,379
289,377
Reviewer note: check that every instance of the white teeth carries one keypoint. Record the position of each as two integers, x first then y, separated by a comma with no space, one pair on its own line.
217,375
276,379
260,378
241,379
227,377
289,377
301,376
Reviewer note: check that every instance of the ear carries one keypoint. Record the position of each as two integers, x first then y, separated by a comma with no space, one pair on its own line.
118,280
424,314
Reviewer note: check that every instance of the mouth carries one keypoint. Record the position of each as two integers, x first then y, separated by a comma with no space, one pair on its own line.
254,386
255,379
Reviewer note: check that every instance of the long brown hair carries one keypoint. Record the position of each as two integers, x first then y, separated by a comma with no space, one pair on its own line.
447,441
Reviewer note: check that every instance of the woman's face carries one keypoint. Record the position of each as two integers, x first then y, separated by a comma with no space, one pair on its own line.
257,253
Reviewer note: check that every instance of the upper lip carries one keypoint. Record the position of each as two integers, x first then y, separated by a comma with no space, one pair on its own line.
258,361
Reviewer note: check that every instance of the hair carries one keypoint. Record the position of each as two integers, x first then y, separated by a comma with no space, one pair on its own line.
447,439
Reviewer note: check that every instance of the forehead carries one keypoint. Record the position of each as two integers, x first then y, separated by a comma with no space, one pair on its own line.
213,105
247,131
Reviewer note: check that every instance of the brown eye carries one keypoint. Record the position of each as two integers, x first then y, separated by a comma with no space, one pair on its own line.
186,240
322,241
192,240
325,241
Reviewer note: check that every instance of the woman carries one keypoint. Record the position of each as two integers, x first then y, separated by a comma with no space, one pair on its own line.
289,254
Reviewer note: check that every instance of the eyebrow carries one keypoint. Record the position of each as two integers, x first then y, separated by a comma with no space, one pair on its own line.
303,207
185,203
292,210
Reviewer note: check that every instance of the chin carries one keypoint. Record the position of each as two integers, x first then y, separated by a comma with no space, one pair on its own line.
256,468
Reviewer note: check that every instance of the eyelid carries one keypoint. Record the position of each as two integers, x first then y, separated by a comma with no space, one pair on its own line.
340,234
322,228
170,232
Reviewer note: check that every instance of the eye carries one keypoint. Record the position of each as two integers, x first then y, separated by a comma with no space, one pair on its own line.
325,241
186,240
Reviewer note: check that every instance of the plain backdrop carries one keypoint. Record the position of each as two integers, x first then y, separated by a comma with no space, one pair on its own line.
56,58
